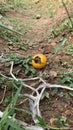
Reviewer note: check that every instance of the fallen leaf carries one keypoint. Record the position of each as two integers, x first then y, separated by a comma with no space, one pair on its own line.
67,112
52,122
53,44
53,74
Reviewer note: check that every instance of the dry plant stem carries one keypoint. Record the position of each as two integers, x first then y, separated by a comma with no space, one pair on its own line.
1,55
29,79
2,59
17,79
43,81
33,89
11,71
28,96
35,100
21,102
26,80
38,78
58,86
34,106
3,95
47,84
67,13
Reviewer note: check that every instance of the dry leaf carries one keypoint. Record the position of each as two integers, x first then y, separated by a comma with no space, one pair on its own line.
52,120
53,44
67,112
53,73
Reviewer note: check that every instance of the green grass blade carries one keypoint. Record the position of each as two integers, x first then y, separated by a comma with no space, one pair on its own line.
8,28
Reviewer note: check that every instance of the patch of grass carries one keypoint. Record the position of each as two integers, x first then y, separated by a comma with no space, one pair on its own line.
66,78
7,123
56,31
21,46
7,100
32,44
3,9
59,48
13,40
23,62
28,67
69,49
8,36
19,24
60,122
16,3
10,28
69,17
15,20
27,26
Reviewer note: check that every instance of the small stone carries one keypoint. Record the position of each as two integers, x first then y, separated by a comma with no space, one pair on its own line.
38,16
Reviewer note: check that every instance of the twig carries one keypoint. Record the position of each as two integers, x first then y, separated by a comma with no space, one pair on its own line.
2,58
58,86
21,102
25,85
29,79
5,76
33,89
11,71
67,13
1,55
3,95
43,81
28,96
34,105
26,79
35,96
34,102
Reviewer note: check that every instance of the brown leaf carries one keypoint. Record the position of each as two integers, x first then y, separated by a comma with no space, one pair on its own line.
67,112
52,122
53,44
53,73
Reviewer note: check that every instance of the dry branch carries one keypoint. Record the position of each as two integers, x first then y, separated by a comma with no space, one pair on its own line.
34,101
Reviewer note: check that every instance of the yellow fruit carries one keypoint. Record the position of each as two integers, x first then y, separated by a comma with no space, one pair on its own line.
39,61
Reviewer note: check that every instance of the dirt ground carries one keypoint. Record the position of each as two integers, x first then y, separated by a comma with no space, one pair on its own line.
60,102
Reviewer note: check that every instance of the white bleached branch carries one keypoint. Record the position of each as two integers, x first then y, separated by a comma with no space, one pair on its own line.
34,97
11,71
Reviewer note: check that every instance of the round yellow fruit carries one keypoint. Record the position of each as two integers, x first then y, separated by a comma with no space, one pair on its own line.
39,61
